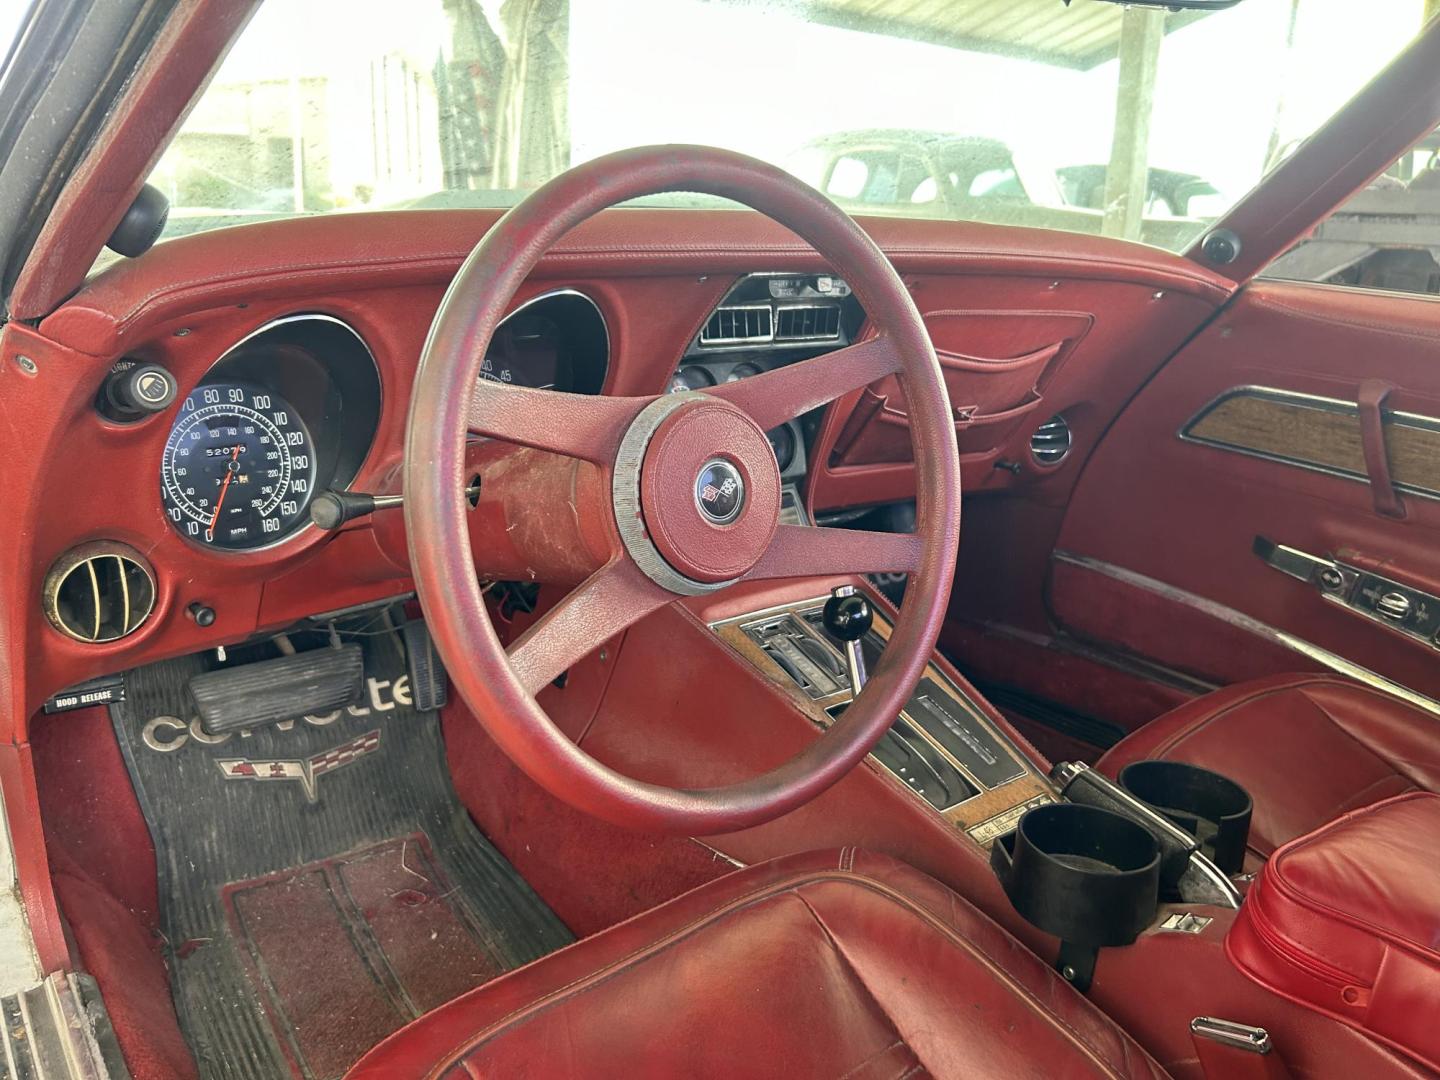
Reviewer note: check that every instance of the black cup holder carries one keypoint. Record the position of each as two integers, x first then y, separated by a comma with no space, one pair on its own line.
1211,807
1086,875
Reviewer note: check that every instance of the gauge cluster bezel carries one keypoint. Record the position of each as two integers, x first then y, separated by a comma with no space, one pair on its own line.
582,339
322,367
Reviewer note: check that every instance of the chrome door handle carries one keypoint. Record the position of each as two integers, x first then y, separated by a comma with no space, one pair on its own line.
1399,607
1328,576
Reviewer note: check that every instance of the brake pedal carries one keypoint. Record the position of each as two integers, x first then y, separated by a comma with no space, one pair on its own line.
286,688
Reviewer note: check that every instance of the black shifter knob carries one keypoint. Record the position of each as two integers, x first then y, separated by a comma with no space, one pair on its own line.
848,614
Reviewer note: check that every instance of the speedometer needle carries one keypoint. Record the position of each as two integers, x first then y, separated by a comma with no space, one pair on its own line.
230,471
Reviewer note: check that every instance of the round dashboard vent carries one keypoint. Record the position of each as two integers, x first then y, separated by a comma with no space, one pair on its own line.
99,592
1051,441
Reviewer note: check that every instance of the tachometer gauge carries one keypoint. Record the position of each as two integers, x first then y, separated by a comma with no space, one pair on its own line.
239,468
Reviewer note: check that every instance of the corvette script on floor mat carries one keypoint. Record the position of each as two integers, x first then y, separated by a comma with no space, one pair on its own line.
320,883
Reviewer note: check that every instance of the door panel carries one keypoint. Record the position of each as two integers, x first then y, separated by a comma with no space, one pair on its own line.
1253,429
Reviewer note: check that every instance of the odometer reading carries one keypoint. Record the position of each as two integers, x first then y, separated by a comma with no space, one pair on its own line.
239,468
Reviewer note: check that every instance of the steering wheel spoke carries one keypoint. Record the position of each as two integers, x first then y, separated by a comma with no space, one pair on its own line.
775,396
805,551
577,425
607,602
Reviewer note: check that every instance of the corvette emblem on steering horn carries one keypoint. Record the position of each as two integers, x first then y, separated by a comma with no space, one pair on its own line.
719,491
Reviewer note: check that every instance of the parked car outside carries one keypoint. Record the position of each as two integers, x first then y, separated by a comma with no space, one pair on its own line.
979,178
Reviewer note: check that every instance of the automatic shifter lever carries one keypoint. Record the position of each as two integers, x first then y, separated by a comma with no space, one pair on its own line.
848,617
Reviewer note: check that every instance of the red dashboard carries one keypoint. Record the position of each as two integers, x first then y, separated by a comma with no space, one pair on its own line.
1028,326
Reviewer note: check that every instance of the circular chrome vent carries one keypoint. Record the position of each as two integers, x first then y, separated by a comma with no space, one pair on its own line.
1051,441
99,592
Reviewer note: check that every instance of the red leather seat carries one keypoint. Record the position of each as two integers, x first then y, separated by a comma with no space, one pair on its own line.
1308,748
1344,921
832,964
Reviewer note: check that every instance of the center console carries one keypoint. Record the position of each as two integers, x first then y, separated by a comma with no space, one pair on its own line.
942,747
1080,856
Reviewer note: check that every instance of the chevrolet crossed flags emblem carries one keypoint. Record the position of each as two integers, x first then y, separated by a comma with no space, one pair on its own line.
308,770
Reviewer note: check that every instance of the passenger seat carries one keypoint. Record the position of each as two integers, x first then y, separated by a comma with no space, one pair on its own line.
1308,748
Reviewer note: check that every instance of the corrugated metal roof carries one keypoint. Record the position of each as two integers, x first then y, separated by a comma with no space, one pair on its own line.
1084,34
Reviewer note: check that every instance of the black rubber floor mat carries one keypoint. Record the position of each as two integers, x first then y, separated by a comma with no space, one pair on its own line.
341,828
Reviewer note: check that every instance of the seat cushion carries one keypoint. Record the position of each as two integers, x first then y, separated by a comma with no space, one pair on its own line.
835,964
1345,921
1308,748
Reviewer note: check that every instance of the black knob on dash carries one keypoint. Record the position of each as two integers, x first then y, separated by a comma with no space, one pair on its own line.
142,388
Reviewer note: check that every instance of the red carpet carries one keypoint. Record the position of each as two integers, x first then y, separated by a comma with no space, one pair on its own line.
344,951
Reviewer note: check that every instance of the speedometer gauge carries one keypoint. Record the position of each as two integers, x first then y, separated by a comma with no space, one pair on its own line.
239,468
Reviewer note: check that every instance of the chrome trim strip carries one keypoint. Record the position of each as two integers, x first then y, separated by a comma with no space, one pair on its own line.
1319,404
285,320
95,593
1334,661
124,595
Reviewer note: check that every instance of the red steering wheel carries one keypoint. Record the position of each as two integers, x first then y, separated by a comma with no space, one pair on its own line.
694,490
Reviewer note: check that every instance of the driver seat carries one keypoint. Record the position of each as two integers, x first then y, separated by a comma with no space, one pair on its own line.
829,964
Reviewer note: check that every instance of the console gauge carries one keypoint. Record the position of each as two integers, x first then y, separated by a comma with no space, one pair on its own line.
743,371
690,378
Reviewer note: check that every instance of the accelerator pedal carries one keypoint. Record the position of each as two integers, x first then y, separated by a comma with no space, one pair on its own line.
286,688
427,673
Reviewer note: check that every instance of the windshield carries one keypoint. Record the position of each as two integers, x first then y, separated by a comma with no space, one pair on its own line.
933,109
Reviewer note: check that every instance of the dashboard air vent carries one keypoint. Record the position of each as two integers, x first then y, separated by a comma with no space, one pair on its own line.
808,322
99,592
739,324
1051,441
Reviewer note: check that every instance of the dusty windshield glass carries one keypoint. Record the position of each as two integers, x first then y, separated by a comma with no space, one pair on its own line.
1090,118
